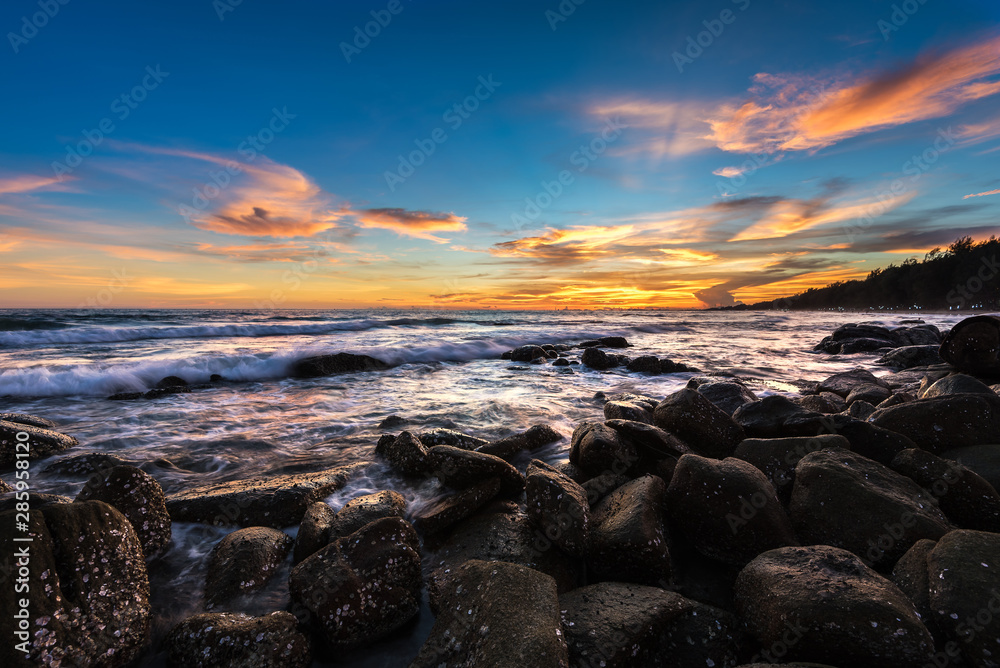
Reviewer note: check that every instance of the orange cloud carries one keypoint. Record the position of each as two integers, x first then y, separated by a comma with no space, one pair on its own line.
416,224
789,216
797,112
984,194
26,183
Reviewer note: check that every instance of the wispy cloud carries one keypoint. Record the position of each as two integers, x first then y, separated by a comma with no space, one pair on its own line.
984,194
416,224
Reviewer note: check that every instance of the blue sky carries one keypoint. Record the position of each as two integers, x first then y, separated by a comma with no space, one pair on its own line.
598,156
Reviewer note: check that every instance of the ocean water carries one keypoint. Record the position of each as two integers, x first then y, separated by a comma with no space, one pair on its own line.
64,364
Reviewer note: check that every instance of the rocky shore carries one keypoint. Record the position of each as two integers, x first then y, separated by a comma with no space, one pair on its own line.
855,524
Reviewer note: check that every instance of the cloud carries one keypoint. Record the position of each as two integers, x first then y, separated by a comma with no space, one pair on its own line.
678,126
804,112
416,224
26,183
984,194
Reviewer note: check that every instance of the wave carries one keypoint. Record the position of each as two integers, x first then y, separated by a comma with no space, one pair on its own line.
28,324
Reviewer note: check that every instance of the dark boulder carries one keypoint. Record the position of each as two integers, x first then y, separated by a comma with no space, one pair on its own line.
35,442
958,383
983,459
826,402
944,423
597,448
842,384
325,365
650,442
527,353
138,496
727,394
909,357
778,457
534,438
450,437
622,410
460,469
33,420
607,342
628,539
705,427
361,510
860,410
911,576
767,417
82,466
823,605
243,562
314,531
973,345
405,454
450,509
170,381
227,640
873,394
645,364
559,507
595,358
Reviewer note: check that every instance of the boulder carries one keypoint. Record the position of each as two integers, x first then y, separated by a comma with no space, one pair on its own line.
866,439
703,635
964,575
958,383
534,438
830,488
450,437
621,410
33,420
405,454
243,562
983,459
460,469
727,394
873,394
448,510
363,586
909,357
778,457
325,365
601,485
361,510
767,417
628,539
82,466
597,448
911,576
964,497
973,345
559,507
842,384
35,442
138,496
860,410
314,531
702,425
88,593
944,423
276,500
822,604
595,358
527,353
496,614
645,364
651,442
227,640
607,342
896,399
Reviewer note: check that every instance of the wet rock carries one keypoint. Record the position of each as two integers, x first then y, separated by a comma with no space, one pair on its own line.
873,394
534,438
314,531
616,624
728,510
866,439
956,384
704,636
595,358
823,605
973,345
40,442
138,496
727,394
88,599
669,366
325,365
964,497
405,454
601,485
526,353
243,562
597,448
393,421
171,381
896,399
651,442
851,338
226,640
4,487
911,576
559,507
450,437
621,410
275,500
562,361
362,510
909,357
499,615
983,459
860,410
706,428
460,469
607,342
826,403
370,581
831,485
451,509
944,423
36,501
32,420
842,384
645,364
767,417
85,465
628,540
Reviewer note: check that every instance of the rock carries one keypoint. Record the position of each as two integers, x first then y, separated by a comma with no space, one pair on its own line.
620,410
325,365
170,381
956,384
703,636
562,361
873,394
822,403
464,468
728,510
596,358
451,509
4,487
138,496
964,497
371,581
778,457
767,417
964,575
216,378
607,342
393,421
243,562
314,531
36,501
651,442
88,594
824,605
362,510
842,384
32,420
526,353
896,399
669,366
645,364
860,410
628,541
559,507
944,423
973,345
85,465
508,447
908,357
499,615
601,485
227,640
450,437
726,394
275,500
983,459
706,428
37,443
405,454
918,336
597,448
911,576
832,485
866,439
616,624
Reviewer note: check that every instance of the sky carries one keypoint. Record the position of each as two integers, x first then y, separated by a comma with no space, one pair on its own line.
513,155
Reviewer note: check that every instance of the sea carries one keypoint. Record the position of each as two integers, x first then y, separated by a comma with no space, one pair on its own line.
447,373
